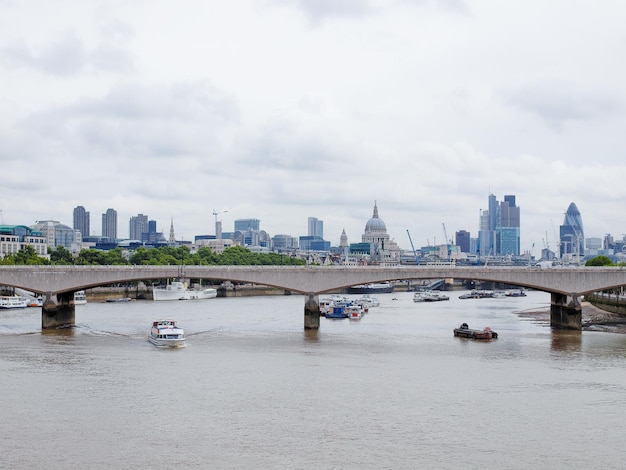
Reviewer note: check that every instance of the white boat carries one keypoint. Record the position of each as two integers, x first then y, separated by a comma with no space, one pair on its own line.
166,333
13,301
80,298
35,302
373,288
354,312
177,290
429,296
326,305
368,301
419,296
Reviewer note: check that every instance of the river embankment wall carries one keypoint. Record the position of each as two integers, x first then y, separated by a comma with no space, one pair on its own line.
609,302
142,291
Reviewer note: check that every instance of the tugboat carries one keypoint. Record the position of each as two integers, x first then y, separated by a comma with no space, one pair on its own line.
464,331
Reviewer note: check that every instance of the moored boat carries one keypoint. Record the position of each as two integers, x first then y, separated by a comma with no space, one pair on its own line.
368,301
429,296
464,331
354,312
35,302
166,333
372,288
80,298
177,290
336,311
515,293
13,301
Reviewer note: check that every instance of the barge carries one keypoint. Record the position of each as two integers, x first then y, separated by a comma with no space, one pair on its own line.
464,331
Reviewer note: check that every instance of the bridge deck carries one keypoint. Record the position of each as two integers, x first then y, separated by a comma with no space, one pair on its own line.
310,279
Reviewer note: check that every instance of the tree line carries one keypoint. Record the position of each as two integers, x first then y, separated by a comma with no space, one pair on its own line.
166,255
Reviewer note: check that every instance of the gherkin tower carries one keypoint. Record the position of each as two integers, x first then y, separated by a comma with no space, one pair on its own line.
571,234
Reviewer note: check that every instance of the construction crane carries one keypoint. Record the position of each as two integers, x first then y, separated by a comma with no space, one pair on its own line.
413,247
558,240
215,213
445,234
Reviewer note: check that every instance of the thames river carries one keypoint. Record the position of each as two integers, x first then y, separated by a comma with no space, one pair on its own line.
253,390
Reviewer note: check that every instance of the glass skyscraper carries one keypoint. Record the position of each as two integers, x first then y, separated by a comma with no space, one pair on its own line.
572,235
247,224
315,227
499,232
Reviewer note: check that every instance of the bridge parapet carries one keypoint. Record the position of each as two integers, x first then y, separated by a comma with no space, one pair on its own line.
305,279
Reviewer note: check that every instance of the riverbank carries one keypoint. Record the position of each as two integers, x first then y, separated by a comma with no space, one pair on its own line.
593,319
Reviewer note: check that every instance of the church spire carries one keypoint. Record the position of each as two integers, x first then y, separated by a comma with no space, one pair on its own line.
375,215
343,240
172,236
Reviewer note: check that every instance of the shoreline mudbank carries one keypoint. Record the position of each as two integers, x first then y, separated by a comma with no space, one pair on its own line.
593,319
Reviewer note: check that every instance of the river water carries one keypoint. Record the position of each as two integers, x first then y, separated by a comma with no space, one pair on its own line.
252,389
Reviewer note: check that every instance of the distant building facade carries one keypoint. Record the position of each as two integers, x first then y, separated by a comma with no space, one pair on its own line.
499,232
571,234
138,225
216,245
462,240
109,225
58,234
313,243
242,225
315,227
283,242
81,220
376,247
14,238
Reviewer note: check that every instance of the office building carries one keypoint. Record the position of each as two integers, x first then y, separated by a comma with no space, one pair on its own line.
509,227
138,225
315,227
571,234
58,234
499,233
243,225
14,238
462,240
283,242
81,221
109,225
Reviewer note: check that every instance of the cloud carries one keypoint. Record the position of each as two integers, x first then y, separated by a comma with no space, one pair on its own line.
320,10
558,103
65,56
136,119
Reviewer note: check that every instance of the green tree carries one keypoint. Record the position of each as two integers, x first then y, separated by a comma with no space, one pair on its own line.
61,255
27,255
600,261
99,257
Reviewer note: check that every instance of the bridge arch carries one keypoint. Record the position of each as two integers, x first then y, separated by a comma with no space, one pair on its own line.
316,279
563,284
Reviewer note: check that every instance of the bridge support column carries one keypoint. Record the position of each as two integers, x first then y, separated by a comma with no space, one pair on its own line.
58,311
312,312
565,315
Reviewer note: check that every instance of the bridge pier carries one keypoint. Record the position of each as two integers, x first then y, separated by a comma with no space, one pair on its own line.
58,311
312,312
563,314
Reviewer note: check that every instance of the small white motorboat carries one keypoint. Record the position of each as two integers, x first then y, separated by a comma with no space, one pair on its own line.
166,333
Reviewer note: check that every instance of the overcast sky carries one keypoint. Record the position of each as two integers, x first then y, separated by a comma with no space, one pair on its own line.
284,109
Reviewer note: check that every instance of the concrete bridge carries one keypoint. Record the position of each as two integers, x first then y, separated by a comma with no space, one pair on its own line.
58,283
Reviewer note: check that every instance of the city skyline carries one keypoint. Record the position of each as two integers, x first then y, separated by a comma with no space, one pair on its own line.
425,107
498,233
